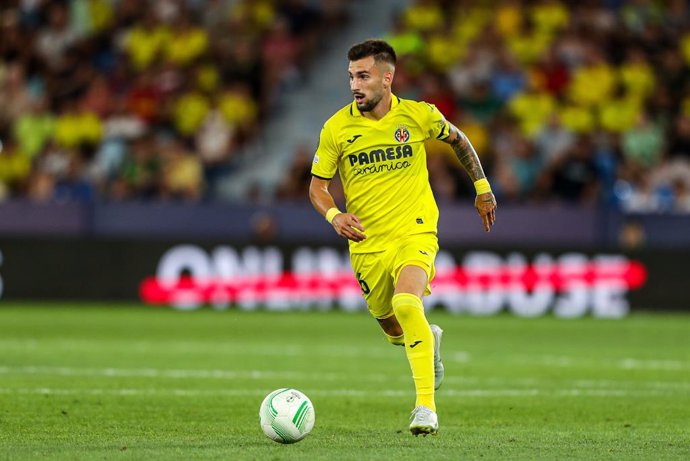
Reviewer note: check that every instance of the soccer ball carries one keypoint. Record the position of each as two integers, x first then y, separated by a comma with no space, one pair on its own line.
286,415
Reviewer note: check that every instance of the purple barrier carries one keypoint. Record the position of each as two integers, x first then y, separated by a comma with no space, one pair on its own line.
295,223
20,218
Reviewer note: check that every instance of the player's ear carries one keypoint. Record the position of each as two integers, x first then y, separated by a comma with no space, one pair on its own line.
388,78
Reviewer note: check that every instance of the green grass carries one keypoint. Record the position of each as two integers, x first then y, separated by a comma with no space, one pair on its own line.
130,382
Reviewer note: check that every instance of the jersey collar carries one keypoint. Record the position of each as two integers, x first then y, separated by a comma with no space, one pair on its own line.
356,113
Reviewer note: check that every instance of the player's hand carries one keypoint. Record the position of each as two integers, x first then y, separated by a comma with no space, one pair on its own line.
349,226
486,207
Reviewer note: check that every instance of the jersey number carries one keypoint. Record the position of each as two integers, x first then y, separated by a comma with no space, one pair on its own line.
362,284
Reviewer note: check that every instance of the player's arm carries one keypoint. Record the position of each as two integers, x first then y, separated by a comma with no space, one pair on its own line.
485,201
345,224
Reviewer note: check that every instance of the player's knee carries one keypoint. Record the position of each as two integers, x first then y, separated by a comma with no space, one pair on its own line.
406,305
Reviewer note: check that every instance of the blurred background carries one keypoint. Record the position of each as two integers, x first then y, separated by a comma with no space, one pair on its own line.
161,150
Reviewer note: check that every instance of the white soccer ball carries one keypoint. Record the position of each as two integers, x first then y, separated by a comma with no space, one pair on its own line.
286,415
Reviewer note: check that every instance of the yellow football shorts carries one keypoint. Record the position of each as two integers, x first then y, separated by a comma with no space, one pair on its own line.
377,273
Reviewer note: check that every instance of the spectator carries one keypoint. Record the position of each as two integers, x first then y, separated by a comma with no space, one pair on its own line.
186,43
518,172
140,177
279,52
681,196
182,173
508,78
632,235
15,97
146,42
34,128
264,228
55,39
480,102
214,142
239,108
532,108
76,127
73,186
424,16
643,145
574,177
295,185
679,145
553,140
551,73
434,91
15,167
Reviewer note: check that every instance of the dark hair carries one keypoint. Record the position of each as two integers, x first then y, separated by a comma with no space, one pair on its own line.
380,50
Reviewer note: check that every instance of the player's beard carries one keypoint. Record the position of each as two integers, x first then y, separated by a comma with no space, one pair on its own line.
369,105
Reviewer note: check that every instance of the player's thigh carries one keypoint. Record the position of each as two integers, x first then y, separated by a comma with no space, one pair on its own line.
375,282
417,250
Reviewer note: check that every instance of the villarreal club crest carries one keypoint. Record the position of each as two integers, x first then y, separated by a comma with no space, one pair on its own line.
402,134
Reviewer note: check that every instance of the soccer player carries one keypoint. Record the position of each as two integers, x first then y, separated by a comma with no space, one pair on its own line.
376,143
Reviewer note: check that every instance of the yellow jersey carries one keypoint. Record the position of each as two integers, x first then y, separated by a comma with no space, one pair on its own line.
382,165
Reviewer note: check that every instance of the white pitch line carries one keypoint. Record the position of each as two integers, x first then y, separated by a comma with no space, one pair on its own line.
262,375
464,393
623,364
226,348
296,350
181,374
347,351
229,375
604,383
653,364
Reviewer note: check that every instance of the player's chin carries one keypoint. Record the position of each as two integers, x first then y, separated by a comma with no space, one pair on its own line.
364,105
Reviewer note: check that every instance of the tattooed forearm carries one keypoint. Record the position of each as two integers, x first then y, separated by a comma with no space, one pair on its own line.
466,154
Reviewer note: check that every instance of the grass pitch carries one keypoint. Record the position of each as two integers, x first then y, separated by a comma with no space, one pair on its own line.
132,382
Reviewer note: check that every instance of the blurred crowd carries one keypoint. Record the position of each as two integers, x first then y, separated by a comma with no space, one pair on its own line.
584,102
131,99
572,101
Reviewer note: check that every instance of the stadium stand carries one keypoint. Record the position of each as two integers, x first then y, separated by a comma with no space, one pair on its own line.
568,102
128,100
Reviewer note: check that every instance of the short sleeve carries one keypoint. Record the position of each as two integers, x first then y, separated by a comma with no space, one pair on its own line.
325,161
437,125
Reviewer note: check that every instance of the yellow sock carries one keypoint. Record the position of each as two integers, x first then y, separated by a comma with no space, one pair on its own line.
396,340
419,345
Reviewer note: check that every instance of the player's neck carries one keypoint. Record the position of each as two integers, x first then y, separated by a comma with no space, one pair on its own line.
381,109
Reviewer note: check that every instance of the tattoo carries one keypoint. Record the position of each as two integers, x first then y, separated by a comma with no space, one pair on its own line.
467,155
